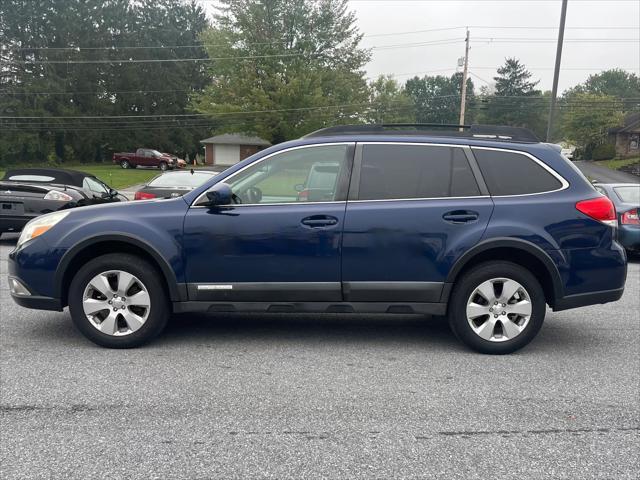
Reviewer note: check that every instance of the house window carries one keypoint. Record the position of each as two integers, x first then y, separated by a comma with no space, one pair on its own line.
634,141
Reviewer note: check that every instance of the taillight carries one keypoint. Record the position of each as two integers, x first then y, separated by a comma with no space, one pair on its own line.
630,217
58,196
143,196
600,209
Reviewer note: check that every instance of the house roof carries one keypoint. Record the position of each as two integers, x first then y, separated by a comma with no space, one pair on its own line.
631,123
236,139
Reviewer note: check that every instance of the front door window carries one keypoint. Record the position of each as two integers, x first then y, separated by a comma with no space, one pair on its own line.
311,174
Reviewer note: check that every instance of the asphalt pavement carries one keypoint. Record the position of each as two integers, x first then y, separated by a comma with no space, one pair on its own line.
274,396
605,175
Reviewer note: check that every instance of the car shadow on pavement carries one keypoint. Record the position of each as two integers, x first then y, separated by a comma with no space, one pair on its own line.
283,331
309,328
330,330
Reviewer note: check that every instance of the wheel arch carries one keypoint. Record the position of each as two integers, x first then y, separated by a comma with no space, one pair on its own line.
90,248
519,251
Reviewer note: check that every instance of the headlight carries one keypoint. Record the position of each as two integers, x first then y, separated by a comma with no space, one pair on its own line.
55,195
40,225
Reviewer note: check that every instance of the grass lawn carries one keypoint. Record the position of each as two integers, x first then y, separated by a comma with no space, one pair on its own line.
616,164
112,175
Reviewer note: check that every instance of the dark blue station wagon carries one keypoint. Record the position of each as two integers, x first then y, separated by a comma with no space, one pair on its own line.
487,227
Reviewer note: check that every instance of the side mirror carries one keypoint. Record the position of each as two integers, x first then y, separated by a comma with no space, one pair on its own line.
220,194
299,187
110,194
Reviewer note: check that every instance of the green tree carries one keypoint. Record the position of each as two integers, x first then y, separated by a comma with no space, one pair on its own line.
292,65
389,102
623,85
588,122
516,101
44,45
437,99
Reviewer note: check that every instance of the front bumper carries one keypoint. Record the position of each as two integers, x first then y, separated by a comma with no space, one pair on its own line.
31,273
21,294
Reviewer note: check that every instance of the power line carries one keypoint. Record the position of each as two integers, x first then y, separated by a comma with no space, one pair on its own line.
375,35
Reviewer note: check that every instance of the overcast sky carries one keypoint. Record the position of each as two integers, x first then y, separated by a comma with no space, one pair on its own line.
594,50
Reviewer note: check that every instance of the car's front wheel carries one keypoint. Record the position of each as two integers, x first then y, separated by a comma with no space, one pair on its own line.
163,166
118,301
497,307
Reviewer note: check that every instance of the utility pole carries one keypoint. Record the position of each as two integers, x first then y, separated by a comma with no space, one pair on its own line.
463,100
556,73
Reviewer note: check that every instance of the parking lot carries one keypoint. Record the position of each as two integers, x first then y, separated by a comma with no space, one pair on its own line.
333,396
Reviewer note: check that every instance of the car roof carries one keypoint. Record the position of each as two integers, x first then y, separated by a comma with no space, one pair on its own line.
422,138
477,131
630,184
59,175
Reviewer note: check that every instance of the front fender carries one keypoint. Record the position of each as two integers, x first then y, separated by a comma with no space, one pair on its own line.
154,226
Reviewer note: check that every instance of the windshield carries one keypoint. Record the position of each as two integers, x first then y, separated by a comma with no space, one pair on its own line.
156,153
630,194
180,179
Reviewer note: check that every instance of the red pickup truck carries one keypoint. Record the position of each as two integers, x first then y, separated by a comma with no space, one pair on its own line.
147,157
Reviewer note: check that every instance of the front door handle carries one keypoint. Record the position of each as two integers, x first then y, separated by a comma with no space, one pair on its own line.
319,221
460,216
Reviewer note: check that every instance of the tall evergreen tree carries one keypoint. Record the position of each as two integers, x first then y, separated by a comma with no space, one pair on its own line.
516,101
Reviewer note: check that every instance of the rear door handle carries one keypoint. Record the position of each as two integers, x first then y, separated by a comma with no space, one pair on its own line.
460,216
319,221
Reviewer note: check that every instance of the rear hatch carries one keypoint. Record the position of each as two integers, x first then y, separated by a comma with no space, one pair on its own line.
16,198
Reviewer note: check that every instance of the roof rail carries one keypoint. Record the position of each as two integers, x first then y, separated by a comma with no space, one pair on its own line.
491,132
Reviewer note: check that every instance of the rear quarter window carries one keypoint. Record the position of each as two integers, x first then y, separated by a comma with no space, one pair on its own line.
510,173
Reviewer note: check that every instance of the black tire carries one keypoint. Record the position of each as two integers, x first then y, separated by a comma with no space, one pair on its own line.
148,275
125,164
471,280
163,166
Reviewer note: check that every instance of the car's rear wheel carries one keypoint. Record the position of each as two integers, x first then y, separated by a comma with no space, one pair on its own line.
163,166
497,307
118,301
125,164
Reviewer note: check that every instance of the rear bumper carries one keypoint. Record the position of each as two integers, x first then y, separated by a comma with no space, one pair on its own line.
591,298
14,224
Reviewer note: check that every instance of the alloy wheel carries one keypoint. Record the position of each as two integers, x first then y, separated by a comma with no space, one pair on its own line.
499,309
116,303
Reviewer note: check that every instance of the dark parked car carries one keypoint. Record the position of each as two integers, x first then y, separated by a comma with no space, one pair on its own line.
487,226
626,198
147,157
26,193
173,184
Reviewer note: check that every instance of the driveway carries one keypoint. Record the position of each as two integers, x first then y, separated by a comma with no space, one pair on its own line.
605,175
336,396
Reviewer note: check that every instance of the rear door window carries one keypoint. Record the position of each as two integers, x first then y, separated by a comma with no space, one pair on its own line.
511,173
415,171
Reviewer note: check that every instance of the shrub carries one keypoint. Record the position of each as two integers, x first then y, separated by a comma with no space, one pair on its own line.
604,151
